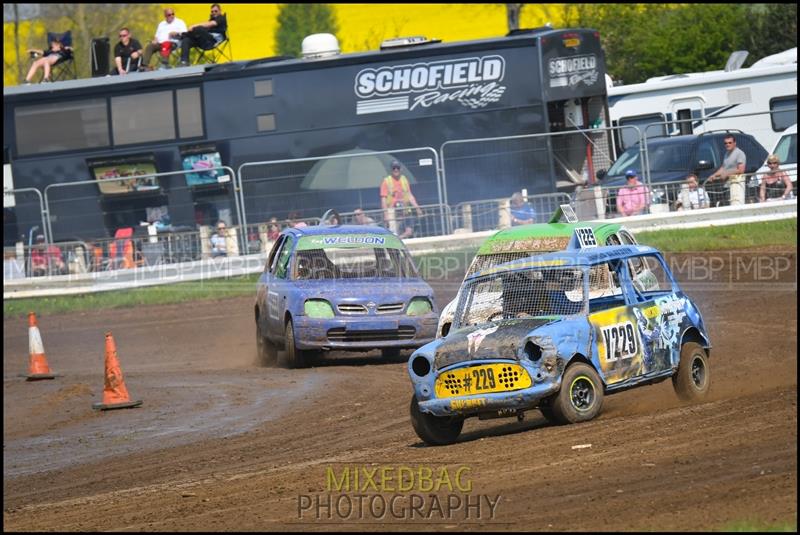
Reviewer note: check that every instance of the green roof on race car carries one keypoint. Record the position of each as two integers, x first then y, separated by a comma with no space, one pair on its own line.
542,236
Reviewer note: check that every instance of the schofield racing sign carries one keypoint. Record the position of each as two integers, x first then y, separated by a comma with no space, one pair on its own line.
472,82
573,70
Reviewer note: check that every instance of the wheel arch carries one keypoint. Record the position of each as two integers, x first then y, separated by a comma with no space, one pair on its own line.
693,334
580,357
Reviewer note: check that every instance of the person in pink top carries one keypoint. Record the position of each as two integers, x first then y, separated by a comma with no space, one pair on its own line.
633,198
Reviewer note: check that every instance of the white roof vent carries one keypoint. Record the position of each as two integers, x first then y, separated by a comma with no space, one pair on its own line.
320,45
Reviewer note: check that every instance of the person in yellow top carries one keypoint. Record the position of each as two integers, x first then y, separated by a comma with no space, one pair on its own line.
396,193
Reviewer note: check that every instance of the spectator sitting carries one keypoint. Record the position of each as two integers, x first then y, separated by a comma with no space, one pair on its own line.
58,52
273,230
126,53
205,35
360,218
522,213
632,198
775,183
46,260
167,38
691,196
218,245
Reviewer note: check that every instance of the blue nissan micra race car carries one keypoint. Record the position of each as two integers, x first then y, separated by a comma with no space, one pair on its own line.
557,332
346,287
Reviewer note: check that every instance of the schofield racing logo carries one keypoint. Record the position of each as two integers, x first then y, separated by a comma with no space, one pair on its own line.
473,82
573,70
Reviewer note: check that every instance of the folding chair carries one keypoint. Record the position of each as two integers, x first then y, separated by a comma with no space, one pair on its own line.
63,69
213,55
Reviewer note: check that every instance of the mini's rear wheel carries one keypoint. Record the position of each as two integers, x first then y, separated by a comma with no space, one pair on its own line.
435,430
693,379
581,395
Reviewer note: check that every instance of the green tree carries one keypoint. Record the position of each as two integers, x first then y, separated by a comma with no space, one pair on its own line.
772,29
296,21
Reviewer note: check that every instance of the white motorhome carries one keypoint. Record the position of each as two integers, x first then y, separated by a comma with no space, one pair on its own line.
715,100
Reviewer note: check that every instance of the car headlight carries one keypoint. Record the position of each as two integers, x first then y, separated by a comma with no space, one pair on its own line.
318,308
419,306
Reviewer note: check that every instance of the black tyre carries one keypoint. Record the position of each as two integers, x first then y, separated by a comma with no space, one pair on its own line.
435,430
292,357
693,379
266,351
390,353
581,396
547,411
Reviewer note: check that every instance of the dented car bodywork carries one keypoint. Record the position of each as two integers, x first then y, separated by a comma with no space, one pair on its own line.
547,319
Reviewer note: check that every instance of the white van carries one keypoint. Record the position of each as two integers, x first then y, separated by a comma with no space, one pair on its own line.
786,149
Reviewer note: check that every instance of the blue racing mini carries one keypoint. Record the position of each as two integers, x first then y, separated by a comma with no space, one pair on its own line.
557,332
351,288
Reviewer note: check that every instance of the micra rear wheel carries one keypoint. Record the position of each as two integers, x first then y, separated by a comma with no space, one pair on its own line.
693,379
267,353
292,357
581,396
435,430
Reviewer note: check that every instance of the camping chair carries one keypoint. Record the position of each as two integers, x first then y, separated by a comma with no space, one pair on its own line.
63,69
213,55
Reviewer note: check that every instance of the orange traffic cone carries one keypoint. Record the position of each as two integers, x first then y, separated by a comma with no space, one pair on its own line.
38,368
115,394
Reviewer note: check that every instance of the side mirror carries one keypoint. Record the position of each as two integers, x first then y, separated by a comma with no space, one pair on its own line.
704,164
600,174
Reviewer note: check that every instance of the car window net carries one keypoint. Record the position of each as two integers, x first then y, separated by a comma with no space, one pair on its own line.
356,263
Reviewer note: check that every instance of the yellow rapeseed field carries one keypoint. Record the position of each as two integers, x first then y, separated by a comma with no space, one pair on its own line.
251,27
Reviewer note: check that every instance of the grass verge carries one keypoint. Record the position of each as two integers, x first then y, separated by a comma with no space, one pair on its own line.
782,232
446,266
760,527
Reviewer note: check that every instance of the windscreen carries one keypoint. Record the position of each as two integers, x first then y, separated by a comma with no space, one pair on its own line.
352,257
543,292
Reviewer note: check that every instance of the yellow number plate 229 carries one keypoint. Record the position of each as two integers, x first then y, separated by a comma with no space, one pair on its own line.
482,380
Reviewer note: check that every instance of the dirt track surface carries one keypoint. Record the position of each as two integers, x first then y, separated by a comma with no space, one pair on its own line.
222,444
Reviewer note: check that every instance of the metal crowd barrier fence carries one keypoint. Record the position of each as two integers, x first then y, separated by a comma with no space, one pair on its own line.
493,214
341,181
558,160
761,125
176,197
671,196
10,196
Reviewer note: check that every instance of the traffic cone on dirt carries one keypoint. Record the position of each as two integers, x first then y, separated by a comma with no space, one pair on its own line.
38,368
115,394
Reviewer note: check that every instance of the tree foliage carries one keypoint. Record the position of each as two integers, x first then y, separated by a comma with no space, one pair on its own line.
296,21
645,40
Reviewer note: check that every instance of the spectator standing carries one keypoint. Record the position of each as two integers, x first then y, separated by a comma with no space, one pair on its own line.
732,171
218,246
58,52
167,38
205,35
632,198
46,259
691,197
396,193
273,229
522,213
126,53
360,218
775,183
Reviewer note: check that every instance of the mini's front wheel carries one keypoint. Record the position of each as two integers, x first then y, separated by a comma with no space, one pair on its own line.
693,378
581,395
435,430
